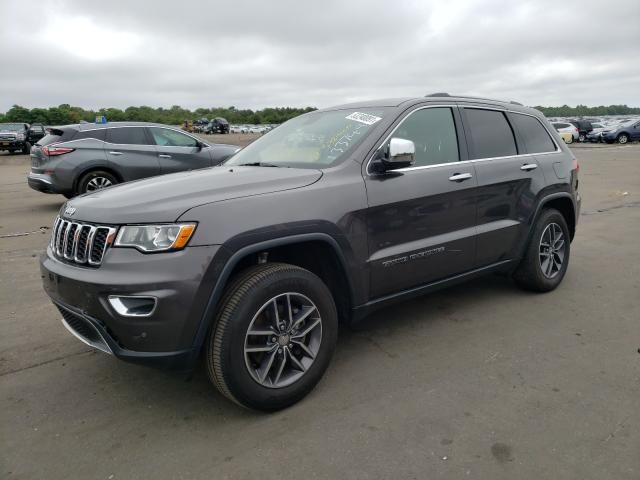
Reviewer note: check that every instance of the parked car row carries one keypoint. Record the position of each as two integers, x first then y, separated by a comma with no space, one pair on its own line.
612,130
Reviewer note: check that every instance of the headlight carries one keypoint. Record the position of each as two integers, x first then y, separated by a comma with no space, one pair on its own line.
155,238
20,136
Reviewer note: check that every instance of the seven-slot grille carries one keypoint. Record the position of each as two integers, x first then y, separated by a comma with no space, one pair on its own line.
81,243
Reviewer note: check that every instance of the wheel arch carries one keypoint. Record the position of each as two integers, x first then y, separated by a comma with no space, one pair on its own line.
561,201
95,168
332,270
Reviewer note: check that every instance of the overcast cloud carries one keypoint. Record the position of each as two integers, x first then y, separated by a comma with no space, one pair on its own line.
118,53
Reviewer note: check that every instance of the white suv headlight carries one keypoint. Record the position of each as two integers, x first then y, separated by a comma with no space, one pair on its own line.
155,238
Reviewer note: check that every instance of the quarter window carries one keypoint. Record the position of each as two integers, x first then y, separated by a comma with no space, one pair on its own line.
491,134
127,136
97,134
535,136
170,138
433,132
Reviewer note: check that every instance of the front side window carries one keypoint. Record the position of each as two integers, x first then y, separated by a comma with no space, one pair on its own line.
314,140
535,136
491,134
171,138
433,131
127,136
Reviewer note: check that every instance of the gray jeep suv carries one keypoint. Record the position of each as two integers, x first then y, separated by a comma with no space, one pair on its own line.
338,212
77,159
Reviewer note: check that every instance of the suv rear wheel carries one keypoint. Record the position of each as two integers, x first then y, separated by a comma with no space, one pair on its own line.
273,338
547,256
96,180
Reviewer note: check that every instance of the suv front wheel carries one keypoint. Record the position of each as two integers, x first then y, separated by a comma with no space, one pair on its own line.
273,338
547,257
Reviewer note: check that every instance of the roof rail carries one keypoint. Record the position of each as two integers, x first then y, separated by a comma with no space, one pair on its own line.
438,94
515,103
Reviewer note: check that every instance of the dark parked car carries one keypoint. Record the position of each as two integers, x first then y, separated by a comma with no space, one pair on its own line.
76,159
18,137
334,214
584,127
625,132
217,125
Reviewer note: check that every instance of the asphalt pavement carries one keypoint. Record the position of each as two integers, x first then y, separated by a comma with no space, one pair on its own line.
480,381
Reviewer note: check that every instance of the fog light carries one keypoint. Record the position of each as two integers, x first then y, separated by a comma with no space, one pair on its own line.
133,306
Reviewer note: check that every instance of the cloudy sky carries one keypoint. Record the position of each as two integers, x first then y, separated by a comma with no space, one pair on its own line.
118,53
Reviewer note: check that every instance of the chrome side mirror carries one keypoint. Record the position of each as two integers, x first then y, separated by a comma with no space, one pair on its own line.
401,151
398,153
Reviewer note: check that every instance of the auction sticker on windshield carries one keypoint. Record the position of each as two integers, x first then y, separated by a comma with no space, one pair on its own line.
363,118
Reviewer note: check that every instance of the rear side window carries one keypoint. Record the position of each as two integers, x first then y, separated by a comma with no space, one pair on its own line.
97,134
535,137
127,136
433,132
55,135
491,134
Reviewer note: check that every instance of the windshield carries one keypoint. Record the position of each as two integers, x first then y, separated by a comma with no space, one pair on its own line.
12,127
314,140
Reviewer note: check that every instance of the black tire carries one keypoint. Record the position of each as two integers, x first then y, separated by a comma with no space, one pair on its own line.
85,181
623,139
26,149
243,299
69,195
529,273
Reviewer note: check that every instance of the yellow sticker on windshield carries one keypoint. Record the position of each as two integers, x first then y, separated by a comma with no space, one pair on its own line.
363,118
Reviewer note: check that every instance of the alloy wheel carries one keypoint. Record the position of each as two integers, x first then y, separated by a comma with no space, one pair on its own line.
283,340
97,183
552,250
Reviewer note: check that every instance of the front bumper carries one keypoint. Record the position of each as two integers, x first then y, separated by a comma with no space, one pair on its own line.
12,144
179,281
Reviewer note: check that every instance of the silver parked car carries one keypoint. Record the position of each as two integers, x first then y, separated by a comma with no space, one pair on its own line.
76,159
566,127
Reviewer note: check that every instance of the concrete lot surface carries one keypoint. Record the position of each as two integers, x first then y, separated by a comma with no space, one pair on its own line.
481,381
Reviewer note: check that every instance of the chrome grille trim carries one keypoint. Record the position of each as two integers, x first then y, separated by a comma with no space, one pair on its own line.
67,241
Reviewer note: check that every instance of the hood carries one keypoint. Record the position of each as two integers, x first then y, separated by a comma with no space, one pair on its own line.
165,198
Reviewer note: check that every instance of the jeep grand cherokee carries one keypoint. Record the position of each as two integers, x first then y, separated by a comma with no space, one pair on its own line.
336,213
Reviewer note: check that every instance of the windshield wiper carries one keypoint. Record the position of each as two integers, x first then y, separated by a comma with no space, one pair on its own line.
258,164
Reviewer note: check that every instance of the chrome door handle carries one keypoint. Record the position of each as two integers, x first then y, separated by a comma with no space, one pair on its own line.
528,166
162,155
460,177
115,153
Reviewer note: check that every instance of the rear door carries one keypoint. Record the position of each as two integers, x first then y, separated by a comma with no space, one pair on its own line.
508,183
421,219
131,152
178,152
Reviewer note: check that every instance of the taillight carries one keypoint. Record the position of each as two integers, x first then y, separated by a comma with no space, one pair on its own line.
56,151
576,165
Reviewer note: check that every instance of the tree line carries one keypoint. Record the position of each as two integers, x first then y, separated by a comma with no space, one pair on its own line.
67,114
584,111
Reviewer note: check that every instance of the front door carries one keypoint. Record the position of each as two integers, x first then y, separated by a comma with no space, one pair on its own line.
421,219
178,152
